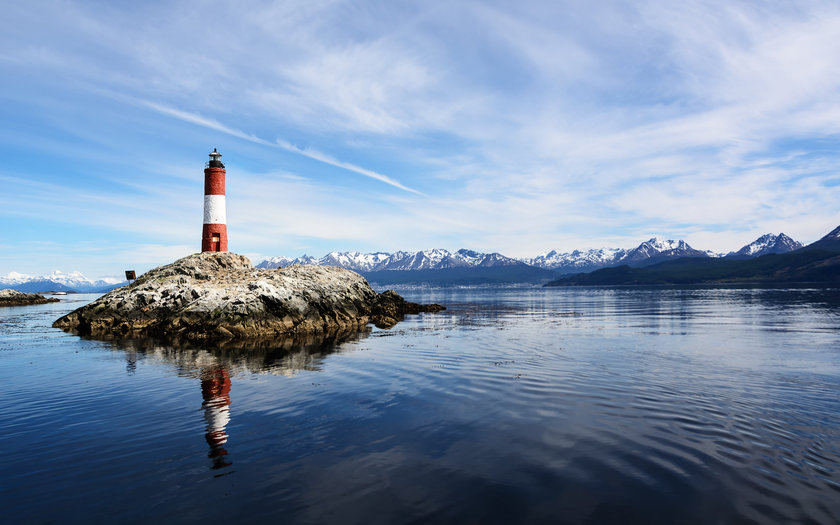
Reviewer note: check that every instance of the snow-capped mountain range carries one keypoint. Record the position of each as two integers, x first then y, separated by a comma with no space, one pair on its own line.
492,266
436,259
56,281
649,252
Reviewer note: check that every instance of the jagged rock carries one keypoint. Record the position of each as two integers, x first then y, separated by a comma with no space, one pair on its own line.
221,296
9,297
389,308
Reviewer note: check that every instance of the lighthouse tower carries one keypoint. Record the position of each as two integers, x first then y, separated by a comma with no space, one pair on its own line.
214,232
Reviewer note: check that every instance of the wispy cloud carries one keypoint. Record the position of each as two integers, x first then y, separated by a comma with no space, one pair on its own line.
209,123
306,152
327,159
513,127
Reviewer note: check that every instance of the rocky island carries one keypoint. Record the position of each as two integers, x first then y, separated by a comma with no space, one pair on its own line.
9,297
221,297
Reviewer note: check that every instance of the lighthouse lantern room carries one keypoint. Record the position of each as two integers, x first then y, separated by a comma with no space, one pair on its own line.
214,232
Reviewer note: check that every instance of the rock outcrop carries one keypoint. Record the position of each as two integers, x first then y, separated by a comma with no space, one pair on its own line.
221,296
9,297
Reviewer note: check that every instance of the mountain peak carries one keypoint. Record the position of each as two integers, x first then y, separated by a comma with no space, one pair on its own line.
833,235
15,278
766,244
831,241
666,244
656,249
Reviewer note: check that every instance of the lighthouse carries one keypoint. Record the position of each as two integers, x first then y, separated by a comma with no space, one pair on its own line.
214,232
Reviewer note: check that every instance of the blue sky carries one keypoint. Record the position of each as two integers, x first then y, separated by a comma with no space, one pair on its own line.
516,127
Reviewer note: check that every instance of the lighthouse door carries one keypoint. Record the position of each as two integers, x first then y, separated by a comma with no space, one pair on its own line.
215,244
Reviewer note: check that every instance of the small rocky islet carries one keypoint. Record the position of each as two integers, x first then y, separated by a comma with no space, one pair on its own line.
9,297
214,296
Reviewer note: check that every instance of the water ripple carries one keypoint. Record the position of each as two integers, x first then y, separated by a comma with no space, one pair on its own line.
582,405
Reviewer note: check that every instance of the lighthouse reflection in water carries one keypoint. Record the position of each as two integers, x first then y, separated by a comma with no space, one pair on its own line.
215,391
213,370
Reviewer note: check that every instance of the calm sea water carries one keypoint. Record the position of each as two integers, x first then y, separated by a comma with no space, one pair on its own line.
514,405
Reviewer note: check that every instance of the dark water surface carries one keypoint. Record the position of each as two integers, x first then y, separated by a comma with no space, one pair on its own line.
515,405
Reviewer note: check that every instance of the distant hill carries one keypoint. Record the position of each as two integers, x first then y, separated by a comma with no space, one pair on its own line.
818,263
39,286
521,273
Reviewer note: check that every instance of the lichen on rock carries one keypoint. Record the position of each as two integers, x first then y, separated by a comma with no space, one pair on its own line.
221,296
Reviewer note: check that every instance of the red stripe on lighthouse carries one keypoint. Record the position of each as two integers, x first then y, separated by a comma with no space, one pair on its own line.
214,181
214,238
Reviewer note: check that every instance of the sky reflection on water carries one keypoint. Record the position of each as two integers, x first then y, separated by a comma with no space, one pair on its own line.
514,405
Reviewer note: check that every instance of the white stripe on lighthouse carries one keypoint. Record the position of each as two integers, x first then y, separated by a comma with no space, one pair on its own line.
214,209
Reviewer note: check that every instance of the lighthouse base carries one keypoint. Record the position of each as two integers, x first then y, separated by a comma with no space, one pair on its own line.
214,238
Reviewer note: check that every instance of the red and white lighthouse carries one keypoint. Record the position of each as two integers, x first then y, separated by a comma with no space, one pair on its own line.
214,232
